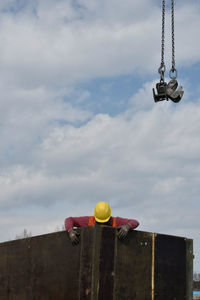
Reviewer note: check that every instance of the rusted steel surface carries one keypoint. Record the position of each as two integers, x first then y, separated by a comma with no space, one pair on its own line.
170,267
39,268
86,262
145,266
133,267
189,269
106,264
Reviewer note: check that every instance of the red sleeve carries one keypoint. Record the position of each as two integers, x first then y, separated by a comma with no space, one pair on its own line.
131,222
76,222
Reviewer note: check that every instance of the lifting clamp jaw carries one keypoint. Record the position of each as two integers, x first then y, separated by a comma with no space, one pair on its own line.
161,91
172,92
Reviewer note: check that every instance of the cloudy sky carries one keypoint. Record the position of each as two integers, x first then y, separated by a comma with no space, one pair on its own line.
78,123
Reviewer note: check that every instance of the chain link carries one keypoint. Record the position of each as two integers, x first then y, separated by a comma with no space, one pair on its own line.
161,70
173,44
163,34
173,71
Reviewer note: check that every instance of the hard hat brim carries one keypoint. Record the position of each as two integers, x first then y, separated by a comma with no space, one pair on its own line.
102,221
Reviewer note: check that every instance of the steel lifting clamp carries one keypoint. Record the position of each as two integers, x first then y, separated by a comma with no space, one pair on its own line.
168,91
161,91
172,92
161,86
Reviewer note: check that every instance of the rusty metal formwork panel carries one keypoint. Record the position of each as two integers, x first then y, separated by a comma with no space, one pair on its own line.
39,268
189,269
86,263
133,267
170,267
145,266
103,263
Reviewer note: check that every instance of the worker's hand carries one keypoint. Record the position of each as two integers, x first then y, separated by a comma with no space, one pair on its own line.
74,237
123,231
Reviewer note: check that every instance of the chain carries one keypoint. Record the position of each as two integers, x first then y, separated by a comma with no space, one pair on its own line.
161,69
166,91
173,69
173,45
163,33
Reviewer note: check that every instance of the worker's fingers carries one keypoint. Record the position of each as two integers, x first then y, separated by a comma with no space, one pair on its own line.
74,236
120,231
75,242
121,234
76,239
121,237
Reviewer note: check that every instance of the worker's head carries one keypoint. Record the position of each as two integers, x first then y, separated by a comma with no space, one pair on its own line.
102,212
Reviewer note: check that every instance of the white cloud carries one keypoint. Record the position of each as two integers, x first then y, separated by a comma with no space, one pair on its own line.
61,44
156,145
28,116
147,166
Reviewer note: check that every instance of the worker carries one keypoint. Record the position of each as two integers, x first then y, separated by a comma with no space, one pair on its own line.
102,216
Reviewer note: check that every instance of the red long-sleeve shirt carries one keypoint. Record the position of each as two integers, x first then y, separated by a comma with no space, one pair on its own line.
83,222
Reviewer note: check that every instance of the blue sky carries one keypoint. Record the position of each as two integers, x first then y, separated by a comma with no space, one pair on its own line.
78,121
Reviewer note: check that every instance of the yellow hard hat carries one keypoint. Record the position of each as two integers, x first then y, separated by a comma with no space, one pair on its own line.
102,212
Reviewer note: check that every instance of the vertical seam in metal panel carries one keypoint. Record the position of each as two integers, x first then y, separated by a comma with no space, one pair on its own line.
115,258
80,267
106,263
153,266
95,262
93,284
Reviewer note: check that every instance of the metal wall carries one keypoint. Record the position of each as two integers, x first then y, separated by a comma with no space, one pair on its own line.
145,266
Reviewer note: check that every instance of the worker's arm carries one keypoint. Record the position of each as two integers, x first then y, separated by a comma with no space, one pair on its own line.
131,222
72,222
125,225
